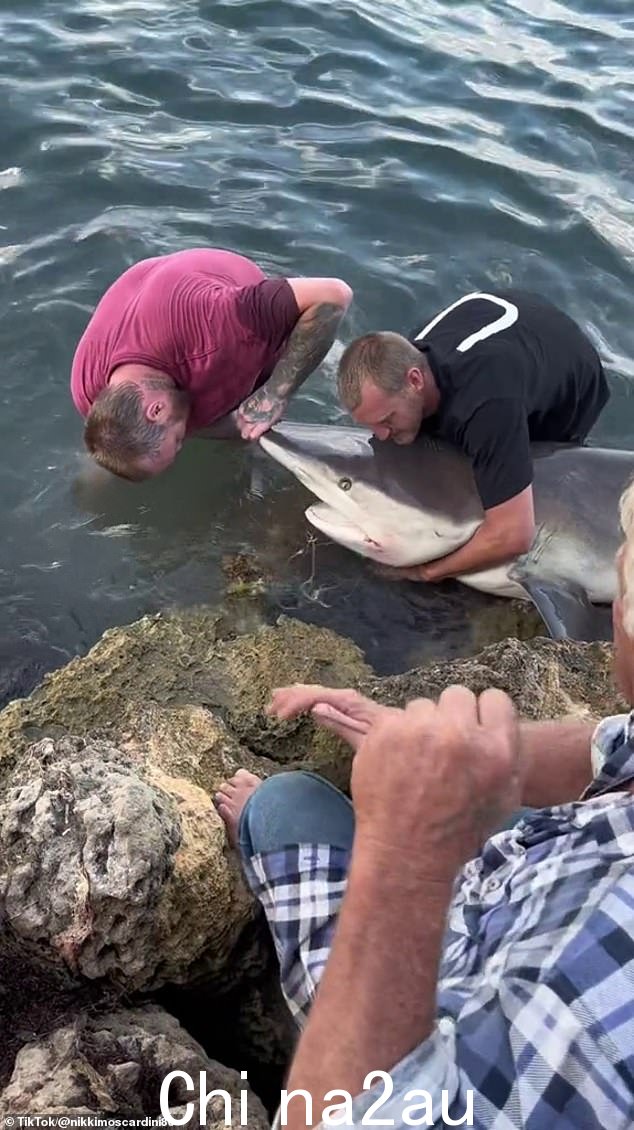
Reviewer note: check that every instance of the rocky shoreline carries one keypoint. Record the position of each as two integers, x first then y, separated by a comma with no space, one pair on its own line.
130,945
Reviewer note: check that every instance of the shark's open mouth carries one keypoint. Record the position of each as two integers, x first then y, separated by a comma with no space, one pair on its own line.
340,529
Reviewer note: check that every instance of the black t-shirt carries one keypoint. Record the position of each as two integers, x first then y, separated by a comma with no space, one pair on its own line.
511,369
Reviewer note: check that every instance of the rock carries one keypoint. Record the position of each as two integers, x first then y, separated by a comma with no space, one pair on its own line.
291,652
190,743
545,678
135,676
180,661
114,1063
116,870
34,997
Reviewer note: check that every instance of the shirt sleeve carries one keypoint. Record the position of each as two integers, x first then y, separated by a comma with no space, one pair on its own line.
497,441
268,310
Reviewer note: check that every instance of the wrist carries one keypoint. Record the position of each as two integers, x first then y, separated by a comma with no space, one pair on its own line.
273,393
433,571
378,861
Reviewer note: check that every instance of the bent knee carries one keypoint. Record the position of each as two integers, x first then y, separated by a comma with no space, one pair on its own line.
293,807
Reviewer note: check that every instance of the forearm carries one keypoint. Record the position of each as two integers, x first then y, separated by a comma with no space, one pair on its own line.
488,547
308,344
557,761
371,1010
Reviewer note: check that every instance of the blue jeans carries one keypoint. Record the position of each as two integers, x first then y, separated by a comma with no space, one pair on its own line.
301,807
295,808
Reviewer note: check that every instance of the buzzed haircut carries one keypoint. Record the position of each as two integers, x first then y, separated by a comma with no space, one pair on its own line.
383,357
118,434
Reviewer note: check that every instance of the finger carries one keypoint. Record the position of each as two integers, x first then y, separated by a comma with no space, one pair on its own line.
497,712
344,728
289,701
285,702
421,709
497,709
389,573
225,791
329,716
405,575
460,703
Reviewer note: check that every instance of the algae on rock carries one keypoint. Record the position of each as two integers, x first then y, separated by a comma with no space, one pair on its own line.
180,661
545,678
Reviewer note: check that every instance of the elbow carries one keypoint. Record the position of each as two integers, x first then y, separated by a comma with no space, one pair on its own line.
511,539
521,539
338,293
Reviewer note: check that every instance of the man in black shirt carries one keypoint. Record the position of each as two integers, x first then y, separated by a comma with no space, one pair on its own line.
491,374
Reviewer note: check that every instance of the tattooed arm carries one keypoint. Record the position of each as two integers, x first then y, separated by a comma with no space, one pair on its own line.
322,304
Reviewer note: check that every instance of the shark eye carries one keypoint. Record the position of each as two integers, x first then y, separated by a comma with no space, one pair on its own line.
345,484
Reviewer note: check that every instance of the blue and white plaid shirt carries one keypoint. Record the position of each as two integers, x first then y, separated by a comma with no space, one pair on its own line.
535,1004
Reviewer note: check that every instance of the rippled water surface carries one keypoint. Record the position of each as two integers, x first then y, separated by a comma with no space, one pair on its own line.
416,150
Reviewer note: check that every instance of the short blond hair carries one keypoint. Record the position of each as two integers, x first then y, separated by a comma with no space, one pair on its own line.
385,358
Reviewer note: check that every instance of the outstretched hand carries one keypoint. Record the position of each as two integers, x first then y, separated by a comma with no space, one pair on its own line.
435,778
346,712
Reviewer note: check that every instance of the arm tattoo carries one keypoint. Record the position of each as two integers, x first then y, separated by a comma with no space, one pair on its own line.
307,346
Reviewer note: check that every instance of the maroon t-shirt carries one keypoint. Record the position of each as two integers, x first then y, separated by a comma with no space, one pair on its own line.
209,319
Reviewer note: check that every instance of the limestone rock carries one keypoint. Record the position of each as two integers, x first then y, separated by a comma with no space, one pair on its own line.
189,742
35,995
291,652
113,1064
180,662
545,678
116,870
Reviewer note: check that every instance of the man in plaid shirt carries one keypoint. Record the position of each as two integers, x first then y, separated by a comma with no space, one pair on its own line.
440,974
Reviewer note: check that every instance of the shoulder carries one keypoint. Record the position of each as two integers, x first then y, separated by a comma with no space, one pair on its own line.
488,378
470,319
268,310
215,265
495,422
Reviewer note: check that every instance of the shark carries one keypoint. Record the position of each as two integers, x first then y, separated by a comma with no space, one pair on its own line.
403,505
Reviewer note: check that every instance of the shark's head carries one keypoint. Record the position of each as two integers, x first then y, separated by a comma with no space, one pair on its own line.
397,505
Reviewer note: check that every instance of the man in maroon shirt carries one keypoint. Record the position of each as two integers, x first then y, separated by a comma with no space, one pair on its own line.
197,338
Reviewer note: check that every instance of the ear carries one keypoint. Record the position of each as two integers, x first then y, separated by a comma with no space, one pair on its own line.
415,379
155,410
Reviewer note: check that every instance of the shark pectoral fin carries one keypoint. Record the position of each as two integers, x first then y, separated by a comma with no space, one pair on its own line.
565,608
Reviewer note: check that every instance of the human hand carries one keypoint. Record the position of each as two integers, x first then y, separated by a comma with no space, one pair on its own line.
431,782
258,413
404,572
346,712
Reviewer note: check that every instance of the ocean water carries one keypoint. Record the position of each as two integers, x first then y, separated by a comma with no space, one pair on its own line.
417,151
